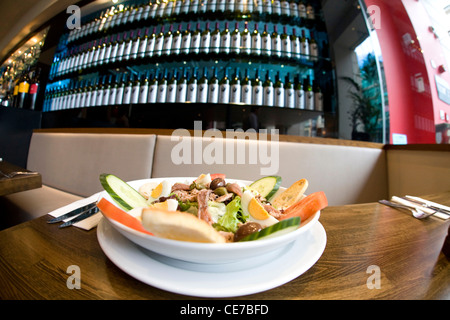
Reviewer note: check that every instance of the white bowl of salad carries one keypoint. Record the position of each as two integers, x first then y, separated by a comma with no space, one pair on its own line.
209,219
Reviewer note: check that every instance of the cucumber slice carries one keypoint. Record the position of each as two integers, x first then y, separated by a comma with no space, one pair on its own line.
275,230
121,192
267,186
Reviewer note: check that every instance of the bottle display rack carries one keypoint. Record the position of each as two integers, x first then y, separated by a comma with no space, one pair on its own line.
228,52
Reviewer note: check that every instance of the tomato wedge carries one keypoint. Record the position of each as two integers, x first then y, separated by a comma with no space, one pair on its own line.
111,211
217,175
306,207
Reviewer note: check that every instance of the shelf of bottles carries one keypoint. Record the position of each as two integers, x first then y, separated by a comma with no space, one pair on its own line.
250,52
19,74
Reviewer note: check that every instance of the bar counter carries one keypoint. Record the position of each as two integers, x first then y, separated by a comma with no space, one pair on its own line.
361,239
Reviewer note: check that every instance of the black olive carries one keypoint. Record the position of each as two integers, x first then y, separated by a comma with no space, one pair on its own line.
217,183
246,229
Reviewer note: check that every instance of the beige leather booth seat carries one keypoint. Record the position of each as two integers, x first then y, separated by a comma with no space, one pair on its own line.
347,174
70,165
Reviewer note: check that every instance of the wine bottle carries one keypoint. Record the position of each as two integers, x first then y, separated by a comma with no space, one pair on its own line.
289,93
257,90
202,88
276,42
285,44
135,45
293,8
121,49
24,88
258,6
285,8
276,8
212,6
195,39
91,55
186,42
159,42
229,8
302,10
313,48
192,87
246,40
114,50
295,45
172,88
299,94
239,7
266,42
177,7
304,46
309,95
236,40
246,89
168,9
34,88
113,91
128,47
220,5
267,5
256,41
193,8
82,97
215,40
104,50
127,90
143,90
224,88
96,53
205,39
268,91
182,87
135,91
278,91
310,13
100,91
146,12
162,88
235,88
177,39
202,6
151,43
168,40
143,45
106,92
154,10
153,88
318,97
213,88
225,39
161,9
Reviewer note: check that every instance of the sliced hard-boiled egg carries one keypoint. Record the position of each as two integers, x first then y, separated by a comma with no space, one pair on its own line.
153,190
169,204
255,211
203,179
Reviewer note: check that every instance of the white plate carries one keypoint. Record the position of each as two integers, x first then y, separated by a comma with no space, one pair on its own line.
208,281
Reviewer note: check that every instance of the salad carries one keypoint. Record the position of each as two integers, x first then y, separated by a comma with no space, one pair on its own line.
210,208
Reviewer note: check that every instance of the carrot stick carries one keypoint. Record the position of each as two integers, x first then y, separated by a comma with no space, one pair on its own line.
306,207
111,211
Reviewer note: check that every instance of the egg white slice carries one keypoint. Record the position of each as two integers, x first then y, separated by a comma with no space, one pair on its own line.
255,211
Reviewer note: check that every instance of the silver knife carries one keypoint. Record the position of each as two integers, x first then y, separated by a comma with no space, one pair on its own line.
73,213
426,204
82,216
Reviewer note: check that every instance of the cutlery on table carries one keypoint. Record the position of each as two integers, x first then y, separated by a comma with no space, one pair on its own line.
417,213
83,212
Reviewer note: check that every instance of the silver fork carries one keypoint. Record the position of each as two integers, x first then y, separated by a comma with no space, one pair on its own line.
16,173
417,213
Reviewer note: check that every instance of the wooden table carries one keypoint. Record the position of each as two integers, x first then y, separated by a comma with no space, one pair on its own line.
362,239
19,182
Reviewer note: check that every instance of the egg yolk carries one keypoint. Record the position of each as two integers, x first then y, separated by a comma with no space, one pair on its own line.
161,205
257,210
157,191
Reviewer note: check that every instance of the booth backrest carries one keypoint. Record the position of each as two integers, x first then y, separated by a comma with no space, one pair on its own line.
72,162
346,174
